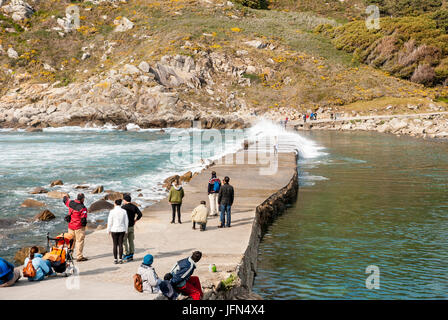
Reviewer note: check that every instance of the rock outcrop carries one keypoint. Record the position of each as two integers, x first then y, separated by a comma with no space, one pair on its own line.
45,215
23,253
100,205
31,203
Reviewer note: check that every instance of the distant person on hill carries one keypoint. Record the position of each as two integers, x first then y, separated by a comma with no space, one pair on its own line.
304,117
214,184
8,275
286,121
132,210
182,278
199,215
77,219
175,198
225,200
41,267
276,145
117,226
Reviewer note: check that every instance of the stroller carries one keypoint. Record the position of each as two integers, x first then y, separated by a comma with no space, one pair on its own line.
60,256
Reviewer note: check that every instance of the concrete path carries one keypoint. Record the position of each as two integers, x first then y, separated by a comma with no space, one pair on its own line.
376,117
101,279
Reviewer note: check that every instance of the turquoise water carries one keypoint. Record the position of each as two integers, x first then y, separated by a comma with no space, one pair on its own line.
373,199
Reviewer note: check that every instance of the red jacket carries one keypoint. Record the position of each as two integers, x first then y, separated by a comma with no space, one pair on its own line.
78,213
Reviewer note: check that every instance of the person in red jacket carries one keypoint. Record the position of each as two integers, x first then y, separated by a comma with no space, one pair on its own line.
78,222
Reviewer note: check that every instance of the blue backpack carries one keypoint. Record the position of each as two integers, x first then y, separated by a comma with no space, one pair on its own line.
216,186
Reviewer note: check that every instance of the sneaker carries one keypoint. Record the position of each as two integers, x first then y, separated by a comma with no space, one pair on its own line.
173,222
220,226
180,222
130,257
121,261
115,261
82,259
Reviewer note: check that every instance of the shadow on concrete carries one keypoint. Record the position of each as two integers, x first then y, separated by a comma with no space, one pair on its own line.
187,252
97,271
105,255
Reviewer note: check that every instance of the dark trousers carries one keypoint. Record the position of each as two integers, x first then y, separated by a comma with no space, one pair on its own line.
117,238
176,207
202,225
225,214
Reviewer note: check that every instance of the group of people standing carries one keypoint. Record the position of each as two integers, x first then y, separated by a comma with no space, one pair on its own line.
220,197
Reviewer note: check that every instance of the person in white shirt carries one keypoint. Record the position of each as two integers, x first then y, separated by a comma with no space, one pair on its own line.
117,226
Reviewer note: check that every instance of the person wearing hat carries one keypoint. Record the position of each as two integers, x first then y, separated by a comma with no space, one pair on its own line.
150,280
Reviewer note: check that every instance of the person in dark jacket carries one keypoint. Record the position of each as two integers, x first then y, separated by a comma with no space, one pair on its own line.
225,200
182,278
132,210
214,185
78,222
8,275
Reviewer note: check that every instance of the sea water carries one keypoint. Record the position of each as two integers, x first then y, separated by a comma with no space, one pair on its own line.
135,161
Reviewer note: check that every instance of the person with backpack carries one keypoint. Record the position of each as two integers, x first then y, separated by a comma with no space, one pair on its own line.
132,210
77,221
182,278
149,279
225,200
117,226
175,199
35,268
199,215
214,184
8,275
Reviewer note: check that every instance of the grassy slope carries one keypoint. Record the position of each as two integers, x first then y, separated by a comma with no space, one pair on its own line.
306,70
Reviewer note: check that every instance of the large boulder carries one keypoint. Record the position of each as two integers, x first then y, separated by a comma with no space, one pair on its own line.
169,181
45,215
186,177
100,205
56,194
112,196
123,24
19,10
38,190
98,189
23,253
31,203
56,183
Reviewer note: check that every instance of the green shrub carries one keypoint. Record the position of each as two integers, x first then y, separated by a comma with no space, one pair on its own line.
254,4
399,8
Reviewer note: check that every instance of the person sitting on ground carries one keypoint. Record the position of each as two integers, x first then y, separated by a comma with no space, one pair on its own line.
42,267
183,280
199,215
132,210
8,275
175,199
117,226
150,280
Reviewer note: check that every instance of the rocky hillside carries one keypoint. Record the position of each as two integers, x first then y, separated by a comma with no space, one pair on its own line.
165,63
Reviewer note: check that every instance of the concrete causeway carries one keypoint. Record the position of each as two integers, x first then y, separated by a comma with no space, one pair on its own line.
99,278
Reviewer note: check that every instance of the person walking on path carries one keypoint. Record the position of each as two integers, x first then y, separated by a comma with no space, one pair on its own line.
8,275
42,267
175,198
132,211
117,226
199,215
214,184
225,200
182,278
77,222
